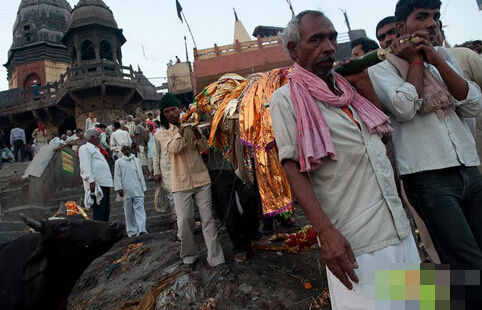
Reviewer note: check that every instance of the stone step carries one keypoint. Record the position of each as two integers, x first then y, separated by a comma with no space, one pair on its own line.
154,223
35,212
80,192
13,197
120,211
65,194
7,236
57,202
12,226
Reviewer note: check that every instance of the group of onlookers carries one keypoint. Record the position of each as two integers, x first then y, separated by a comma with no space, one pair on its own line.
19,148
172,154
126,147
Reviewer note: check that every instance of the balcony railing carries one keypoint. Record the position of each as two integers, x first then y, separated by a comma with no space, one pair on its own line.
73,74
237,47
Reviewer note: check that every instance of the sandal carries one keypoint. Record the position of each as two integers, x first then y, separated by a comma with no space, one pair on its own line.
222,269
240,257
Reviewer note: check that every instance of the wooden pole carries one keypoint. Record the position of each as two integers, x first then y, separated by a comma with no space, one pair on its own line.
189,28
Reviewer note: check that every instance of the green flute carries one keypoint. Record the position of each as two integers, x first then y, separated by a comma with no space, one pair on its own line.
368,60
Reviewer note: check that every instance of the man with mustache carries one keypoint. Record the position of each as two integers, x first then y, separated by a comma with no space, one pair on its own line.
329,142
423,89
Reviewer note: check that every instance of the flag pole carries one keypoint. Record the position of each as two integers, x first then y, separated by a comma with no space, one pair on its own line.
291,8
189,28
185,45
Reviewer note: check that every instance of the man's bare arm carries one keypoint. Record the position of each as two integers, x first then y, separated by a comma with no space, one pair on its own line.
457,85
335,249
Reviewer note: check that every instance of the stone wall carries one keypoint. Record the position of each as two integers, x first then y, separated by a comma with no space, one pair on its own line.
27,69
105,108
12,81
179,78
61,172
53,70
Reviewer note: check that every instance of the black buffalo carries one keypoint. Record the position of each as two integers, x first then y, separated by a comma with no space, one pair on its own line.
39,270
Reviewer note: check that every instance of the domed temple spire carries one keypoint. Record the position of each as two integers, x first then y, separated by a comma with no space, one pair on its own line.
240,32
93,34
37,52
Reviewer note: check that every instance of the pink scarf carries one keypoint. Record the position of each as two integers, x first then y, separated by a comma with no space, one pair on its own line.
153,124
314,139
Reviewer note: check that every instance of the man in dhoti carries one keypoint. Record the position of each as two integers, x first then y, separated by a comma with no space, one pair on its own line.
329,141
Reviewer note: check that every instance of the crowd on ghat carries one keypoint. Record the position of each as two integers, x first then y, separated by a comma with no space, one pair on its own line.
420,109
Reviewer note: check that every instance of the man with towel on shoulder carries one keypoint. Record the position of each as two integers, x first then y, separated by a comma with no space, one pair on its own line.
130,184
95,172
329,142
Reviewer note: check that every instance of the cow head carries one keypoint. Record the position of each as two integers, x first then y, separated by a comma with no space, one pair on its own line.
74,243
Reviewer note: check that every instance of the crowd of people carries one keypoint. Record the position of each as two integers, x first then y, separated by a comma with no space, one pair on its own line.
176,158
333,143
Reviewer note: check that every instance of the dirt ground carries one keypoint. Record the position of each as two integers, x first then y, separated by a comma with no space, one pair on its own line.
150,277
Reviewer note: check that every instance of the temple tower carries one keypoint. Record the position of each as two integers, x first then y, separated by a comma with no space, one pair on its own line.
37,55
93,34
96,81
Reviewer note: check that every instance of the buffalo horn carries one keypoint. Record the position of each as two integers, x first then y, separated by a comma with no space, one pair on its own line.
31,222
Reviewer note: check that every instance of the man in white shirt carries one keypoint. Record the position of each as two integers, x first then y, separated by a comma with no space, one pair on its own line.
95,172
130,184
118,138
75,141
130,125
103,136
90,121
427,98
17,140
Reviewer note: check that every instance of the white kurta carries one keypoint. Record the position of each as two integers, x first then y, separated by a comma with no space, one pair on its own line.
118,138
89,123
128,177
93,167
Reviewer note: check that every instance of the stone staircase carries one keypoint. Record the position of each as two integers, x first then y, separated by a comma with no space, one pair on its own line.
13,195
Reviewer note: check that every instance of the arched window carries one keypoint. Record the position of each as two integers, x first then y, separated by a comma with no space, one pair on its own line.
88,51
33,80
106,51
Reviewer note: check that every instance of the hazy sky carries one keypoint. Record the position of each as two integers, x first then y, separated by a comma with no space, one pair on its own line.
155,34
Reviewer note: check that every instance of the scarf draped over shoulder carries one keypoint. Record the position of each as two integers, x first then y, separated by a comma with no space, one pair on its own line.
314,139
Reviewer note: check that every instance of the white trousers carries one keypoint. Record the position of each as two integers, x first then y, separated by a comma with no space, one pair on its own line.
184,205
401,256
135,216
142,155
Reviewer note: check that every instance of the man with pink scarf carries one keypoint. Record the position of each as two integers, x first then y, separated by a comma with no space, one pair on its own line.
329,142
